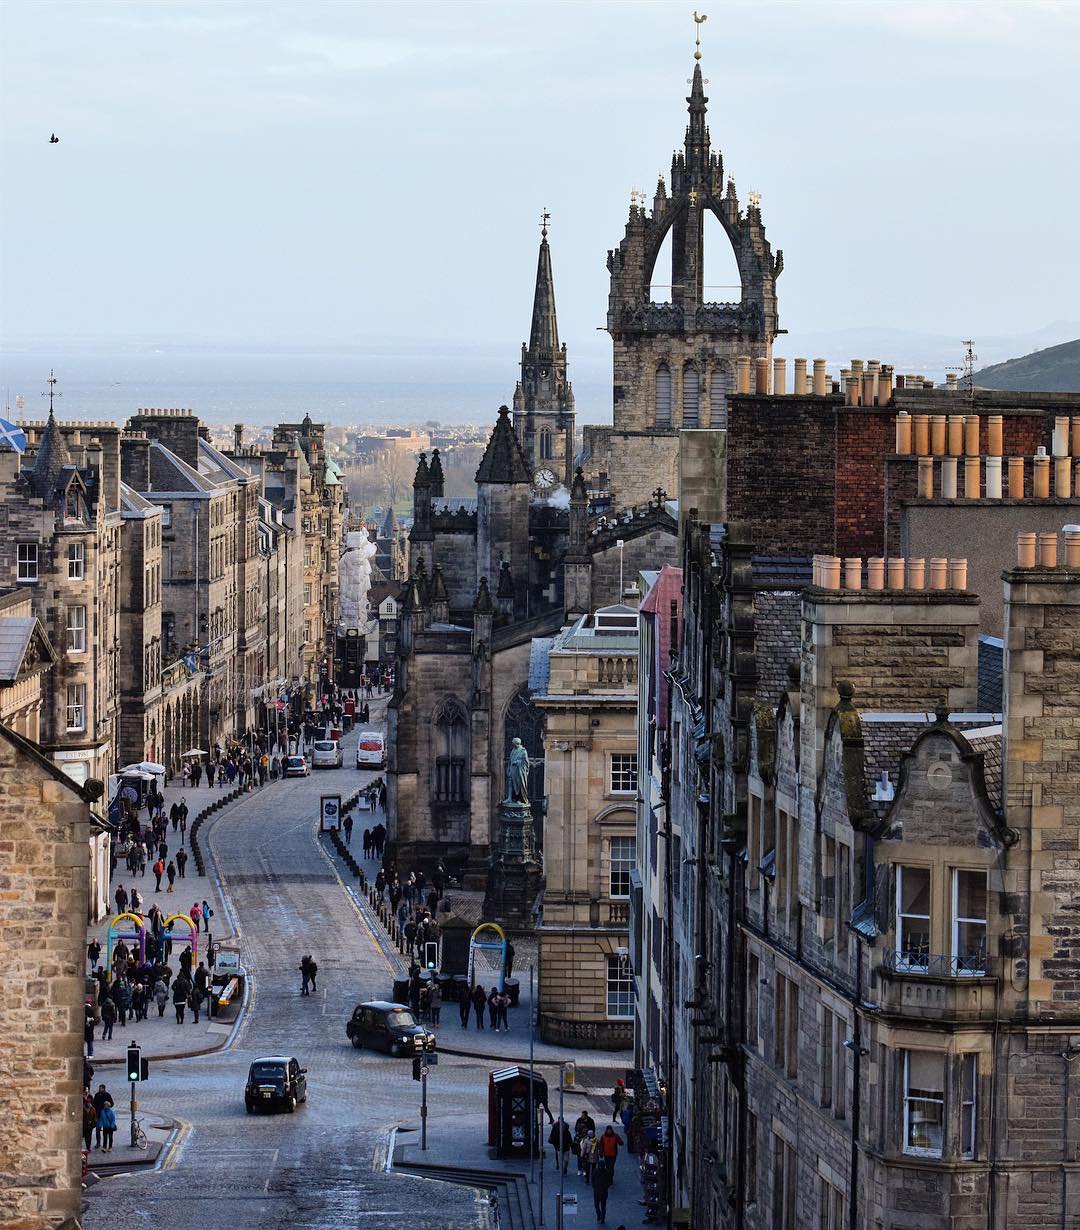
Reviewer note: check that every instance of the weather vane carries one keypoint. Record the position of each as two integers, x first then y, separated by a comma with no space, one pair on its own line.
698,19
545,218
51,393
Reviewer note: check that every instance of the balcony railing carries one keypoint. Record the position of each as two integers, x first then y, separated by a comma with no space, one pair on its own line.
936,965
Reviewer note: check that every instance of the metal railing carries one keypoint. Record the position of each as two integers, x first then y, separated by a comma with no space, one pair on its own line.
918,961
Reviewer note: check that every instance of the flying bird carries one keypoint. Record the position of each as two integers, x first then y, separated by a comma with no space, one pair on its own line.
54,139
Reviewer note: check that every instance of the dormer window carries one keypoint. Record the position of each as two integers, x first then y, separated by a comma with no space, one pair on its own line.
969,922
72,504
912,918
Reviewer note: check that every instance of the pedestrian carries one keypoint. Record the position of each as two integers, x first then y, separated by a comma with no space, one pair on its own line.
367,843
183,824
136,902
195,914
504,1011
170,871
610,1143
509,959
121,899
493,1008
435,1002
108,1017
102,1099
587,1155
211,769
582,1127
89,1120
463,1007
180,992
207,914
185,774
479,1000
601,1185
138,1002
107,1122
202,977
181,861
195,1002
159,871
348,828
196,773
308,969
618,1100
562,1142
161,996
93,954
122,992
88,1030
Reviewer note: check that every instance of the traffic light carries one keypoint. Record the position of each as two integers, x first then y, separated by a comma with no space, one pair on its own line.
431,954
134,1063
417,1063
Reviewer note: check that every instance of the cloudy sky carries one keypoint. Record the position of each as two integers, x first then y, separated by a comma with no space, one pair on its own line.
284,172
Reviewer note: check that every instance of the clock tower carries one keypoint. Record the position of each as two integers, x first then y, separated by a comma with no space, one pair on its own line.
544,399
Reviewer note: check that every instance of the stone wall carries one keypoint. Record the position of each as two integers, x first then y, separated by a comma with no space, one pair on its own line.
44,833
635,462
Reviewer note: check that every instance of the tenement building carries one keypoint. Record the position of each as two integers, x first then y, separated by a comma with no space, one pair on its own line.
584,682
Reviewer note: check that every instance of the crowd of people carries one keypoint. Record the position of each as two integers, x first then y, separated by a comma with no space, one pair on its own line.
596,1152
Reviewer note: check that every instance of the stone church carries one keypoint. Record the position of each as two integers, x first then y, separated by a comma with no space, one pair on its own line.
490,576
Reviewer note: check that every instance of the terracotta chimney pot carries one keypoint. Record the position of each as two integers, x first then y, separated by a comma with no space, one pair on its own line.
743,369
875,572
993,478
926,478
903,433
922,435
800,378
1016,478
851,390
779,377
853,572
1041,483
1063,477
971,435
1061,436
972,467
994,435
820,377
869,388
1075,450
939,573
896,572
958,574
956,435
937,434
1025,550
948,478
1072,548
916,574
1048,550
832,571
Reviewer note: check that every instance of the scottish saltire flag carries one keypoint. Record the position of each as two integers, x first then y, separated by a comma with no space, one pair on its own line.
12,436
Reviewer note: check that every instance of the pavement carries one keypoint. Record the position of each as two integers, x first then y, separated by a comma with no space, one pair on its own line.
326,1165
467,1149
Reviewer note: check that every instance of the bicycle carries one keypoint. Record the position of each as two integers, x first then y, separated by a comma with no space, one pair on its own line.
140,1140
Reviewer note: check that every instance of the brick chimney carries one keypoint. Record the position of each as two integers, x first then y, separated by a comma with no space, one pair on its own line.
177,430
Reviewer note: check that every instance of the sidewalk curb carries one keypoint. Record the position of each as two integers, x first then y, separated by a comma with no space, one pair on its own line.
156,1162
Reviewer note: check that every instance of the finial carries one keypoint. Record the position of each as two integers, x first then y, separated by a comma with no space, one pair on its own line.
51,393
698,19
545,218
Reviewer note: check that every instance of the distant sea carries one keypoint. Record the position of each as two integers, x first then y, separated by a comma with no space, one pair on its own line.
261,387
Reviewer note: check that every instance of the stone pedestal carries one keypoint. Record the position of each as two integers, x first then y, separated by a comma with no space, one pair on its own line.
514,880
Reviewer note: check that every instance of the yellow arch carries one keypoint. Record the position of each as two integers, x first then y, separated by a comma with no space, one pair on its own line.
488,927
183,918
139,922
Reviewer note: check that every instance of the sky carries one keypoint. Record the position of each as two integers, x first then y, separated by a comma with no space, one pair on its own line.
343,173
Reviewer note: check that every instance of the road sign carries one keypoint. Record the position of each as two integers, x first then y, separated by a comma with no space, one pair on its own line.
424,1070
431,1060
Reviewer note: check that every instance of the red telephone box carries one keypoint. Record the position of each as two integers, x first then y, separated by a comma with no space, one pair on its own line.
511,1131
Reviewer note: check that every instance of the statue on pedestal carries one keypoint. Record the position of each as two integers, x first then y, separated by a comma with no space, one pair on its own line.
515,874
517,774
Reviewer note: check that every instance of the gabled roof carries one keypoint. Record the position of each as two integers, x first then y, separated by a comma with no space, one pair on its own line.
503,461
23,645
214,464
132,503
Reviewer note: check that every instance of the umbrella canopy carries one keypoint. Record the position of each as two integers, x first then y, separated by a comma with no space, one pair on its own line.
145,766
193,751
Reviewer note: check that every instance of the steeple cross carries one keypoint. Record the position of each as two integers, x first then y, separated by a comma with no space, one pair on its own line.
659,496
51,393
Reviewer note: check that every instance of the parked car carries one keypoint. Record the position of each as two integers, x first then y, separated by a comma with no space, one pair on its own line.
275,1081
388,1027
371,750
297,766
326,754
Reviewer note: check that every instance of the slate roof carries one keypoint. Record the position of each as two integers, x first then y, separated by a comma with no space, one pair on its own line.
991,744
794,570
52,457
171,474
991,681
778,631
540,665
503,461
15,634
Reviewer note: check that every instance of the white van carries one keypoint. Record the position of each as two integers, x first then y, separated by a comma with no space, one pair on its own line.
371,750
326,754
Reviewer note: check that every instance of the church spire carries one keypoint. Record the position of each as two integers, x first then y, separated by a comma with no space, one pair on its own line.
544,334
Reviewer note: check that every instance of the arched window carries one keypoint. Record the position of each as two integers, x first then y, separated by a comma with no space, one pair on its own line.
545,444
663,395
691,396
450,783
719,391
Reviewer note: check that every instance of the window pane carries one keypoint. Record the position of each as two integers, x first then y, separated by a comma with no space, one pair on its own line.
623,772
915,891
620,988
913,916
622,861
924,1101
969,1074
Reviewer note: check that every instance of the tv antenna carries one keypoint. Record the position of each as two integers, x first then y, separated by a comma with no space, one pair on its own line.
969,367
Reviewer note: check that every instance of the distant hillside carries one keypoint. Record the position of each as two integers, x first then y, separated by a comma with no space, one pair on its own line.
1053,370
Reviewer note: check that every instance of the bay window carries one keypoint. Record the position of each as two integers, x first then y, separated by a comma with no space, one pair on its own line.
969,922
912,917
924,1102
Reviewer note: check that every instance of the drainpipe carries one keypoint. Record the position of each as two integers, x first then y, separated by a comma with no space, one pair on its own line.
858,1052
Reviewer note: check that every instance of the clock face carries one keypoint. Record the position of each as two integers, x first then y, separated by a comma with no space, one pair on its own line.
544,479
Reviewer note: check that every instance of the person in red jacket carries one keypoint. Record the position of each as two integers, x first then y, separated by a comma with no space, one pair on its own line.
610,1143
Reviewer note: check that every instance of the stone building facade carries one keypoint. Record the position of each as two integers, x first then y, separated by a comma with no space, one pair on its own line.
584,683
141,734
26,656
61,544
675,362
44,832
